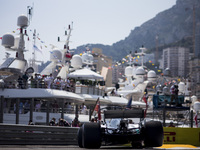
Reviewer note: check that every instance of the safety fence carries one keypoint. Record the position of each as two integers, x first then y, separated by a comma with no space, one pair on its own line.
37,135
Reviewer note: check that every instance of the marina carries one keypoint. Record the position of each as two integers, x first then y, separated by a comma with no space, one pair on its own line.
74,97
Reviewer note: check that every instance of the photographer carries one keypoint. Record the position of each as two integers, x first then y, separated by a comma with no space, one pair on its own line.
176,94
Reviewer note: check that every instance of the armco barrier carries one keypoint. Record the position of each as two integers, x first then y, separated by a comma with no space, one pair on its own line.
182,136
37,135
48,135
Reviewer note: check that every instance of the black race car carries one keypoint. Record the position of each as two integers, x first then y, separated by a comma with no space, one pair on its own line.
121,130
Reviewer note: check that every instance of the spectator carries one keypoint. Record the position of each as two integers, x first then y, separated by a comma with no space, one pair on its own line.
58,83
68,84
30,122
25,78
53,122
32,80
36,80
63,122
176,95
83,108
55,107
26,106
20,82
48,80
42,82
76,122
69,107
38,107
72,86
43,106
171,124
92,120
21,108
172,91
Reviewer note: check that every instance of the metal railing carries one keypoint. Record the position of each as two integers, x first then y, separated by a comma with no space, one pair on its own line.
92,90
37,135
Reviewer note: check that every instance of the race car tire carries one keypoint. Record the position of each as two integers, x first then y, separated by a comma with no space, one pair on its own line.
80,139
91,135
153,134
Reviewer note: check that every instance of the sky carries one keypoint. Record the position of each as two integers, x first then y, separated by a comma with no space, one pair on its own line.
94,21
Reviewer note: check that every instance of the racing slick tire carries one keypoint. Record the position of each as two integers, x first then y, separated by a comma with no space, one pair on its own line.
153,134
80,139
91,135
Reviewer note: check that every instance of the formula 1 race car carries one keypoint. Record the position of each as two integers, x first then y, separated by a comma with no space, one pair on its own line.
117,129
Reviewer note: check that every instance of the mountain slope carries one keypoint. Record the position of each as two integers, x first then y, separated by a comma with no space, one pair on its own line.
169,26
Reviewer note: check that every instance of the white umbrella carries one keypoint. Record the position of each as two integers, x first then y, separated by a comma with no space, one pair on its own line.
85,73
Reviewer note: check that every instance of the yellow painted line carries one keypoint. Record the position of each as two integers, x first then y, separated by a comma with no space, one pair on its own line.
176,145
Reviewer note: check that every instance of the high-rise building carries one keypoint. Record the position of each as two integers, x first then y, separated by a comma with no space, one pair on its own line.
117,72
176,59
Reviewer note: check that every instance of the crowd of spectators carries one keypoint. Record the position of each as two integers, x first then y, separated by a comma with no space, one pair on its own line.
42,81
65,123
39,106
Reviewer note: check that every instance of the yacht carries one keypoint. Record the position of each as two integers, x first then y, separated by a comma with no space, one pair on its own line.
17,98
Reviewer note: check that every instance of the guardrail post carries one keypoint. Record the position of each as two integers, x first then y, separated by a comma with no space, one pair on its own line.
1,112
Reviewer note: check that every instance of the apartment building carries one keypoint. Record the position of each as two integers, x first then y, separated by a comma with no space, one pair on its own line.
102,64
176,59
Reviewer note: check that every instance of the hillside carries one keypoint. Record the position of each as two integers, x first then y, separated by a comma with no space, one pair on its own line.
171,26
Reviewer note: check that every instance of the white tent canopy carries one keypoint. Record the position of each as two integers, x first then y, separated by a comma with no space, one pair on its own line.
85,73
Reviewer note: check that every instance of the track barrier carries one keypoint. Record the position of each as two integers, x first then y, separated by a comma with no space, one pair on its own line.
182,136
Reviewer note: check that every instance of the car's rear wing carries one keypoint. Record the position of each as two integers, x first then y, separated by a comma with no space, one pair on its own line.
138,113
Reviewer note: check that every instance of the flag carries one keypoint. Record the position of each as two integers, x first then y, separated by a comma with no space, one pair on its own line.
145,100
98,110
195,119
36,48
129,103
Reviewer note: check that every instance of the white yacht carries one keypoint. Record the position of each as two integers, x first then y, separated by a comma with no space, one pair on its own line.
13,94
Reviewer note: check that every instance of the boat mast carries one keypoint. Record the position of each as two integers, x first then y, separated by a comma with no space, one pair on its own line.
66,46
34,57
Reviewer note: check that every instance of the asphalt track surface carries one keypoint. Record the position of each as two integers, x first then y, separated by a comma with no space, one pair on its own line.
72,147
